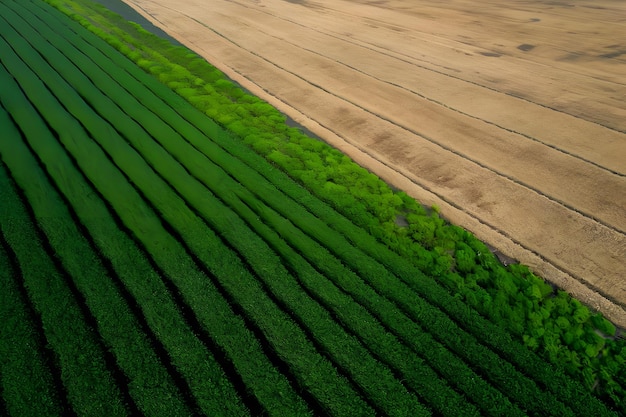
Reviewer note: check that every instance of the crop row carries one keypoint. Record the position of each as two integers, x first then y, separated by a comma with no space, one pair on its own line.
201,200
266,312
29,386
132,351
86,376
194,193
113,188
511,297
218,180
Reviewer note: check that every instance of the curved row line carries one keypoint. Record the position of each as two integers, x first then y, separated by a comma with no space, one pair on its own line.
66,321
169,250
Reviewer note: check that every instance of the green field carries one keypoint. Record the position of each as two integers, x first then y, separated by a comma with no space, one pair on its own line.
152,263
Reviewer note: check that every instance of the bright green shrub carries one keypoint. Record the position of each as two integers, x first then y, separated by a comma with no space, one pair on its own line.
603,325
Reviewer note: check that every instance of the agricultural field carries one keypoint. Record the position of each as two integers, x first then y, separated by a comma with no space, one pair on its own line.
154,263
509,116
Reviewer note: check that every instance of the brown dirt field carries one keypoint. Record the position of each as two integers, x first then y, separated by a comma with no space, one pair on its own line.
509,115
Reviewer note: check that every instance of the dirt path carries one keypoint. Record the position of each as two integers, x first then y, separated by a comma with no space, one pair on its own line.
512,120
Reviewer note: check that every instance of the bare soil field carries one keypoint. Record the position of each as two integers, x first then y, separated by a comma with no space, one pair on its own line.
508,115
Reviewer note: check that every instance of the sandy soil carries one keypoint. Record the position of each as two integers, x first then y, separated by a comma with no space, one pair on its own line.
509,115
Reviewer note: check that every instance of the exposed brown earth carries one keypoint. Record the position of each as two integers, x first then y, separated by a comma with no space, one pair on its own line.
509,115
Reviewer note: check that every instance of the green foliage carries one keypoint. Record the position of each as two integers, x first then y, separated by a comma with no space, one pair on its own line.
465,258
68,334
28,387
603,325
